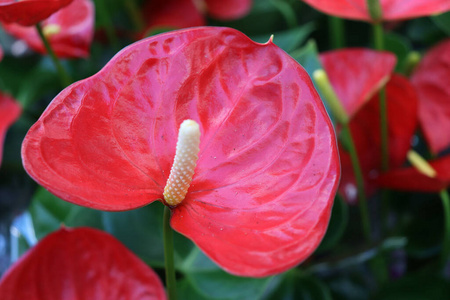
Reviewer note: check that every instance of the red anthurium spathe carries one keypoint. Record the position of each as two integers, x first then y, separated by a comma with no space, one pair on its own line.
431,82
176,14
410,179
356,74
9,112
82,263
365,128
29,12
70,31
268,167
391,9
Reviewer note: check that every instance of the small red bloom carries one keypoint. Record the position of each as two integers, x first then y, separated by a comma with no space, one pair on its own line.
268,167
431,82
9,112
70,31
29,12
410,179
391,9
176,14
80,263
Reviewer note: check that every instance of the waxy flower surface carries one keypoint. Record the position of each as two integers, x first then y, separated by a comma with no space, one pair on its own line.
82,263
431,80
69,31
391,9
9,112
29,12
267,170
176,14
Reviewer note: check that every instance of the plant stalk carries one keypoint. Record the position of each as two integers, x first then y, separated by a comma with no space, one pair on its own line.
336,32
445,253
169,255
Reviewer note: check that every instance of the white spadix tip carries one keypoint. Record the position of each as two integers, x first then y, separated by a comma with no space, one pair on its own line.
184,163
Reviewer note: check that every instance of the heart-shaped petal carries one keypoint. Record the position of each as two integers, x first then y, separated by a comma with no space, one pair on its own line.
391,9
29,12
70,31
356,74
431,82
268,167
402,105
9,112
80,263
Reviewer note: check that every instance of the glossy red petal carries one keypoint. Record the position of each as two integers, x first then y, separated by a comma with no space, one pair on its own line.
228,9
81,263
356,74
76,31
365,127
409,179
9,112
172,14
431,82
29,12
392,9
268,168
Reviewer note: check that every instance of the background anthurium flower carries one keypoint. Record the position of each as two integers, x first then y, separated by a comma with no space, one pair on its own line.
9,112
176,14
268,166
365,128
80,263
357,74
431,82
70,31
29,12
391,9
410,179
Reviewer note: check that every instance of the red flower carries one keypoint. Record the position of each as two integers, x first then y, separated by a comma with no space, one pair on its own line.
431,82
9,112
70,31
268,168
391,9
29,12
80,263
410,179
356,74
176,14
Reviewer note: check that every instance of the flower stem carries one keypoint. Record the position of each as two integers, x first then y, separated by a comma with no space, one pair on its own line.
168,255
336,32
446,243
64,76
362,201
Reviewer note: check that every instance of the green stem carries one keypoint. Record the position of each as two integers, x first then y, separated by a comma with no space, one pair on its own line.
105,18
168,255
336,32
64,76
362,201
446,243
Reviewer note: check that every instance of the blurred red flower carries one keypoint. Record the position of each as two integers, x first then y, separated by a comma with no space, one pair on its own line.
29,12
356,75
10,111
177,14
70,31
268,167
80,263
431,80
391,9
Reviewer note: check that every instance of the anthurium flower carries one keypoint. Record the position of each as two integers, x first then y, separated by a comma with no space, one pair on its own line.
431,82
391,9
267,170
9,112
411,179
176,14
70,31
82,263
29,12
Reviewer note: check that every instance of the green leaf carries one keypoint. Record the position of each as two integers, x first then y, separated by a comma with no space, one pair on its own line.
337,225
308,57
443,22
398,45
288,40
